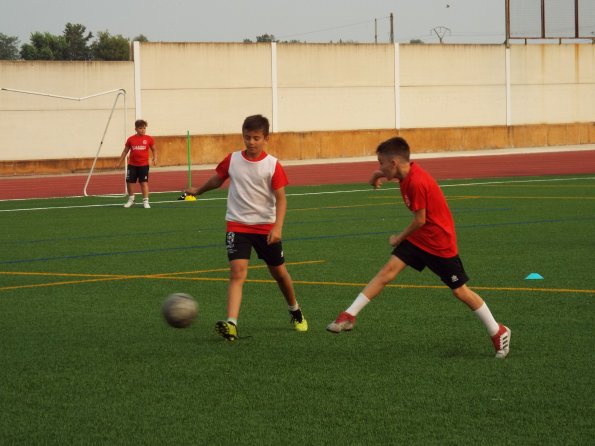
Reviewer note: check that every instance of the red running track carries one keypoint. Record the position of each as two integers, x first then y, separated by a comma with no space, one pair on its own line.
488,166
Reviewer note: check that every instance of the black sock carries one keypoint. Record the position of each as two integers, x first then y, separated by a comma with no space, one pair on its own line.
297,314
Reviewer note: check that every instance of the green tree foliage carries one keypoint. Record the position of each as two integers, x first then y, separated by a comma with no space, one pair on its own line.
9,47
77,43
108,47
44,46
266,38
271,38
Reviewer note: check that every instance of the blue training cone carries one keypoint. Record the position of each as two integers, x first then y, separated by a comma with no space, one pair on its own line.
534,276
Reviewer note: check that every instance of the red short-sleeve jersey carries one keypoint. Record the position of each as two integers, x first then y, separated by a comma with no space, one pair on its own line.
139,146
420,191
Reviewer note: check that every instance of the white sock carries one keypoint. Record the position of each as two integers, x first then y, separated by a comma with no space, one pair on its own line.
145,200
485,315
293,307
130,197
358,304
233,321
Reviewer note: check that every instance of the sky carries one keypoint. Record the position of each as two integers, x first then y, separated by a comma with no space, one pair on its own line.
458,21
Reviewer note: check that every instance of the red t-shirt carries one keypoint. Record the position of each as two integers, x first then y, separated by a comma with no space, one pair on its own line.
437,236
250,200
139,149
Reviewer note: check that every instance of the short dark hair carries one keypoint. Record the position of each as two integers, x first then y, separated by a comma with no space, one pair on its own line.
392,147
256,122
140,123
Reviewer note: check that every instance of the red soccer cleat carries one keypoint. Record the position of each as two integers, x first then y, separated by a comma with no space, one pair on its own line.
501,342
344,322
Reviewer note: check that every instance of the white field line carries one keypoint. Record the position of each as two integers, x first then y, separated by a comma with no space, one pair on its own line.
392,188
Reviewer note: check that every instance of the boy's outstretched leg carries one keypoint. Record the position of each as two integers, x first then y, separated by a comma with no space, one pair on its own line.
346,319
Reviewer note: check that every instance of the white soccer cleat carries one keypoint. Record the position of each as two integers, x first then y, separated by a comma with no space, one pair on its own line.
146,205
501,342
129,203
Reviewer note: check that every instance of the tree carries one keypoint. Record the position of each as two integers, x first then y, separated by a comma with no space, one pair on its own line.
44,46
417,41
266,38
77,43
9,47
108,47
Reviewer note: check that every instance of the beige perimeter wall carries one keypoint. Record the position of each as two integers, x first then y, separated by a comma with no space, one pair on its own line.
323,100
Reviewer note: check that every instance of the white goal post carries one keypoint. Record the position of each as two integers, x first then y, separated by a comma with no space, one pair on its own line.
120,92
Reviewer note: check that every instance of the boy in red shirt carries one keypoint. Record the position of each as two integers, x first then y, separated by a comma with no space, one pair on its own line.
138,146
256,206
429,240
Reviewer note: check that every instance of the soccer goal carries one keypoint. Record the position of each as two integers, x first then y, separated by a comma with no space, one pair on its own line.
84,125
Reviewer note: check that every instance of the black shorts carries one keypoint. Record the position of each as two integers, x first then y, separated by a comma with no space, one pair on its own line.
140,173
239,246
449,269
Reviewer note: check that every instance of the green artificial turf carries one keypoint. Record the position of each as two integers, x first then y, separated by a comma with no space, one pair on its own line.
87,359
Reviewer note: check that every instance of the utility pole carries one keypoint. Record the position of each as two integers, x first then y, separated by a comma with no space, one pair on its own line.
507,14
392,29
441,31
375,30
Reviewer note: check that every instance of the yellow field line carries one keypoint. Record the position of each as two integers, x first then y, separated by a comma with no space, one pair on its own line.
301,282
361,285
106,277
37,285
396,285
176,276
202,271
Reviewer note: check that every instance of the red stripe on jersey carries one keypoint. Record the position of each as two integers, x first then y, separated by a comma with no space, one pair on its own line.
236,226
278,181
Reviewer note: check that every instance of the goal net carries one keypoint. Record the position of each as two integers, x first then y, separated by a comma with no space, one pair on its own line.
48,126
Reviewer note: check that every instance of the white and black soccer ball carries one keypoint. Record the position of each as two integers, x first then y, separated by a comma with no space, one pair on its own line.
179,310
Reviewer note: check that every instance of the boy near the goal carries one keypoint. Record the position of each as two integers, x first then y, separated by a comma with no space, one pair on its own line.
138,146
429,240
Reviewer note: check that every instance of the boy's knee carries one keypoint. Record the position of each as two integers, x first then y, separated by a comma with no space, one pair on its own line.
279,273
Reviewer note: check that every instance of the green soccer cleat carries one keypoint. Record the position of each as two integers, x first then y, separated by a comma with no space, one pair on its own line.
298,321
226,329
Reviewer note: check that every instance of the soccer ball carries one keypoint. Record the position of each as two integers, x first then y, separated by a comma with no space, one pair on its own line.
179,310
